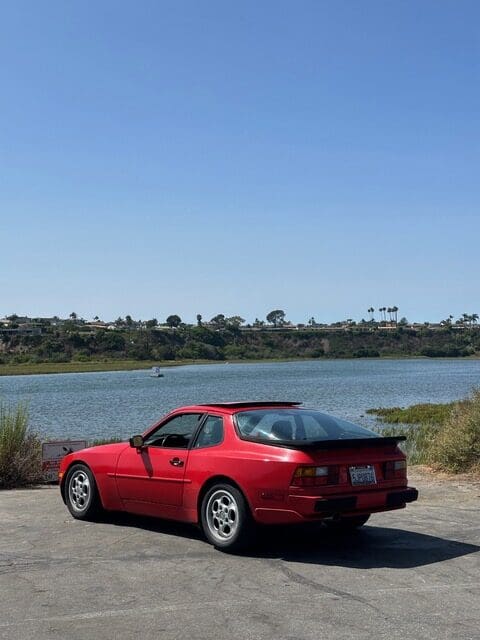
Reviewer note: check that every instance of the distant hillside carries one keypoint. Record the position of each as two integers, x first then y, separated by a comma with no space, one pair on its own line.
84,344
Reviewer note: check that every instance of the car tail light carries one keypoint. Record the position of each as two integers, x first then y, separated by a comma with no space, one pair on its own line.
315,476
395,469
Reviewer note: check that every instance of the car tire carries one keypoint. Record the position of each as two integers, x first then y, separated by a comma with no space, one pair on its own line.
348,523
81,493
225,518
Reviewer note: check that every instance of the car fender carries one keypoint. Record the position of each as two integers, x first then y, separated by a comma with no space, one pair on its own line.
102,464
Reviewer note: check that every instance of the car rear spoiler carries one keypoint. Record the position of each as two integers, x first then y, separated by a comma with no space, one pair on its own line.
351,443
354,443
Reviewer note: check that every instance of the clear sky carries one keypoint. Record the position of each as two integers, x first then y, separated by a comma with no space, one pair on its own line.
187,157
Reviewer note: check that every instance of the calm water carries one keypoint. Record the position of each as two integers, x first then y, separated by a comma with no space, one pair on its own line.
94,405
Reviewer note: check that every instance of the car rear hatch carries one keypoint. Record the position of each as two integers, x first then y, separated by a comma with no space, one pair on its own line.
355,466
350,476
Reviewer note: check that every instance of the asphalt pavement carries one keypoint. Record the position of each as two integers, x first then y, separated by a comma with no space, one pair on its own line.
409,574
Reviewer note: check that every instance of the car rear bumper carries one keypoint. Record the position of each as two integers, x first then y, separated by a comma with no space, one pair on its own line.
307,508
332,506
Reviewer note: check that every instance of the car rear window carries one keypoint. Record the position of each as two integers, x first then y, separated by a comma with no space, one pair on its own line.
296,425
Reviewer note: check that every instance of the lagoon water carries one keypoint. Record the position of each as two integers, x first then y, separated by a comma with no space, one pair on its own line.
94,405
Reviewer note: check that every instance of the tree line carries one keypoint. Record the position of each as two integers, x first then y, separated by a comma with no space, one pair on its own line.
275,318
69,343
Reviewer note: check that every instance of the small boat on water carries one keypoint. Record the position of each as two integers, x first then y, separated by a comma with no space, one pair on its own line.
156,373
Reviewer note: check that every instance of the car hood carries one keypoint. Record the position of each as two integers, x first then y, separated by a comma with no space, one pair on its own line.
113,448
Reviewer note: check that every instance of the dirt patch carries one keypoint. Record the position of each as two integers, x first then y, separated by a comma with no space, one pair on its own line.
436,486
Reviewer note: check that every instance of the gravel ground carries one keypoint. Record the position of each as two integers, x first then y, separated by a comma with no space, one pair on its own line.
412,573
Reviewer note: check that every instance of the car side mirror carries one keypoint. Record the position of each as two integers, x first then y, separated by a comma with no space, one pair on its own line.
136,442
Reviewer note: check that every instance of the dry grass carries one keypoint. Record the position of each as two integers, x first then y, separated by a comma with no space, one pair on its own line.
418,442
446,438
456,446
20,449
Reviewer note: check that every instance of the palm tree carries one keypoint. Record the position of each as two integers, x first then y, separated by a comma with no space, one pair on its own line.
395,311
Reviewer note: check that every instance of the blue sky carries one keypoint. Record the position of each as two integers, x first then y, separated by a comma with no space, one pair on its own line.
216,157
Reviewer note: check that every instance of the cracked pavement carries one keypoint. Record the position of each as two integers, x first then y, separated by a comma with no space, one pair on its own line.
408,574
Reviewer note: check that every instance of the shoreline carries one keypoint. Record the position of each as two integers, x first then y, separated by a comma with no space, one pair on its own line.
51,368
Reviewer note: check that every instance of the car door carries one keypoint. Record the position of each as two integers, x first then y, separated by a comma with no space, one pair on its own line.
151,479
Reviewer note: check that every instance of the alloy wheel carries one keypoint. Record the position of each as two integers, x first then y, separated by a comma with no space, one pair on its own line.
222,515
79,491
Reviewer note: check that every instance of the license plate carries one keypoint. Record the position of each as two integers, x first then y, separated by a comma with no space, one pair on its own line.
363,475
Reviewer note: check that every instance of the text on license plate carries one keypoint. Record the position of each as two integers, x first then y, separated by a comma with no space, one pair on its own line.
363,475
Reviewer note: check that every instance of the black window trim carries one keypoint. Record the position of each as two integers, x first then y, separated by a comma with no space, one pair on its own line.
168,419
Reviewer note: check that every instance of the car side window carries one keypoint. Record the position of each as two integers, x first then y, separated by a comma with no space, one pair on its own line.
211,433
175,433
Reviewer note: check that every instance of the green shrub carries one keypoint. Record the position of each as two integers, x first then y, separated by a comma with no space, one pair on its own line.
194,350
366,353
234,352
416,414
20,449
81,357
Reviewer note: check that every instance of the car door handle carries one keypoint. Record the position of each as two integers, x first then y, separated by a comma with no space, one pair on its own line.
176,462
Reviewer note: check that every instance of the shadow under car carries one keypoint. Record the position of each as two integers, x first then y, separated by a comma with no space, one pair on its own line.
366,548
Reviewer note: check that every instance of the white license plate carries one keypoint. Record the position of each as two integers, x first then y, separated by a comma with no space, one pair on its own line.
363,475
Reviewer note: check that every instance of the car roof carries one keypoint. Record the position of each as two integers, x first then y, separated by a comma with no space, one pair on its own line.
231,407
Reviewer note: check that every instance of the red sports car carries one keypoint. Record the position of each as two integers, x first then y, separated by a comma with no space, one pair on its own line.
228,466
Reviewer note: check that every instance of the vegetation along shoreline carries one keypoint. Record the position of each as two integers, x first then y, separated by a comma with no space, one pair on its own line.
55,345
445,437
52,368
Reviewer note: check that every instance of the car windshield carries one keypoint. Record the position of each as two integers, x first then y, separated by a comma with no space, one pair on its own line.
297,425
